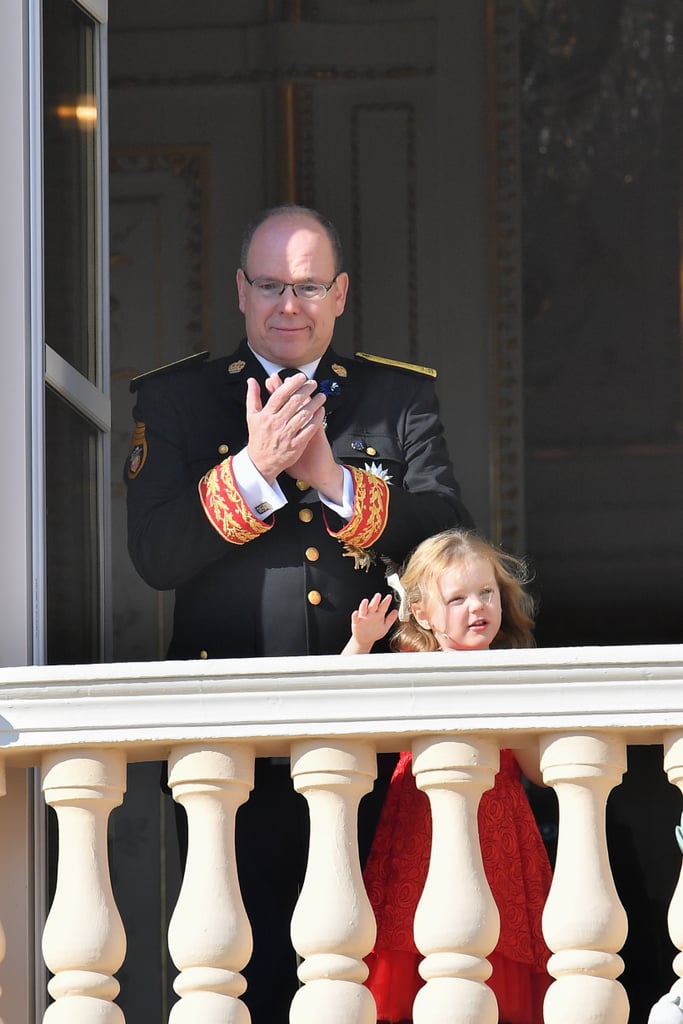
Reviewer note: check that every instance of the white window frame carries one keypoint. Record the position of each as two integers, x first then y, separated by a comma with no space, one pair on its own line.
93,402
47,368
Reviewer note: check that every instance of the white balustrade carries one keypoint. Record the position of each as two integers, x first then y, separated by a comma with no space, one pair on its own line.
209,936
83,940
456,921
81,723
333,926
673,764
584,923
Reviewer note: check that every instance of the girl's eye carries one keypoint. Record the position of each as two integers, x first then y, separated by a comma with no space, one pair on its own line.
457,600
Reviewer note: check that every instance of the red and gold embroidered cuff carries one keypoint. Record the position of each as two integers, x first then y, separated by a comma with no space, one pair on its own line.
225,507
370,510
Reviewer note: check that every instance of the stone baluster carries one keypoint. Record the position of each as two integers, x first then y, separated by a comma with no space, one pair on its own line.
84,942
333,926
673,764
584,923
209,936
456,922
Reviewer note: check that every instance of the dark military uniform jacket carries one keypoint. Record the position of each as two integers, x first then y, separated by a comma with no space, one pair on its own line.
287,585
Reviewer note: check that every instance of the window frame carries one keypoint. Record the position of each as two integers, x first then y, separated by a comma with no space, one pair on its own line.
91,401
47,369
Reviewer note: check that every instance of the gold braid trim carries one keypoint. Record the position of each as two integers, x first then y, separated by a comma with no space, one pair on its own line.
370,512
225,507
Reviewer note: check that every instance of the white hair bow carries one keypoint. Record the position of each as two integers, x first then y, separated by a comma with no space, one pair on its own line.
396,585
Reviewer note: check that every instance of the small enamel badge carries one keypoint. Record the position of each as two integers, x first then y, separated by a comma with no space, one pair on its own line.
340,371
330,387
361,446
138,451
237,366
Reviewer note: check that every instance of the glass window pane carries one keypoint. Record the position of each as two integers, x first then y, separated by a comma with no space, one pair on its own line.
70,172
73,579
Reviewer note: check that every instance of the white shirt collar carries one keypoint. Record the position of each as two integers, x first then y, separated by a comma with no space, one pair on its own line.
307,368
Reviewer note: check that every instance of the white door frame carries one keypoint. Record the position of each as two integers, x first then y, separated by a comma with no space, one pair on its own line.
22,528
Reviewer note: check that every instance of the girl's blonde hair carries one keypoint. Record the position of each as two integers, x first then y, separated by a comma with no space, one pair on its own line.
433,557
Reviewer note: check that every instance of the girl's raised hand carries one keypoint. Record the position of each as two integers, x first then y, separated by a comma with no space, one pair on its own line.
369,623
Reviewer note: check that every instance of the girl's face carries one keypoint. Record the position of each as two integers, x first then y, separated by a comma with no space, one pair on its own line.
463,611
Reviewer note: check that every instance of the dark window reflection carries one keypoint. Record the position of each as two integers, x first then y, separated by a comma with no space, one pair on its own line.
70,124
73,583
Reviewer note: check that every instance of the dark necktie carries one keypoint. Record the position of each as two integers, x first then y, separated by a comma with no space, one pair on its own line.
288,371
283,374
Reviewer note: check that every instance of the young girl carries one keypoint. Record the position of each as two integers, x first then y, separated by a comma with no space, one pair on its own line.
459,593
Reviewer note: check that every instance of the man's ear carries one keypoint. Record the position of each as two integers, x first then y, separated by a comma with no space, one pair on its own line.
342,286
241,289
420,615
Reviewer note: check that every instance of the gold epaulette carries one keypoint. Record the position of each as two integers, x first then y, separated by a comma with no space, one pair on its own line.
427,371
179,364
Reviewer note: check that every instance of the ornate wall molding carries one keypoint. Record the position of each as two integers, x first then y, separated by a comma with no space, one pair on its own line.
308,73
304,95
407,112
507,443
189,164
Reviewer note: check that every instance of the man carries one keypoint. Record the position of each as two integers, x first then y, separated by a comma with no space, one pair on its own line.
272,505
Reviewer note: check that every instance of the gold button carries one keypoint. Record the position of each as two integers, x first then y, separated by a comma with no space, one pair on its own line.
223,449
371,451
314,597
312,554
302,485
203,654
305,515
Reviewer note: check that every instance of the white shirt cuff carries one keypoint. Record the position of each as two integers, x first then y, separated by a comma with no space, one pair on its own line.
261,498
264,500
345,510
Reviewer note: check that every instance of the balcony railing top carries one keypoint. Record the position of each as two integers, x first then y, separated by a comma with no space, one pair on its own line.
270,701
579,706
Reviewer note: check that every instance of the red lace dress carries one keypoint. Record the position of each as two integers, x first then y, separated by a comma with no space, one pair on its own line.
518,872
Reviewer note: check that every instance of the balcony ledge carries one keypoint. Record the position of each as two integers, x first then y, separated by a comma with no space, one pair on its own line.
271,701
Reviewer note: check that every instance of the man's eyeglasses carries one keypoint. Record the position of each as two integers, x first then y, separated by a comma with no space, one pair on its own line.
269,289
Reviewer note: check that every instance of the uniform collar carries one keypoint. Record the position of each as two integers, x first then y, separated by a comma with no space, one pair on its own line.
331,374
307,368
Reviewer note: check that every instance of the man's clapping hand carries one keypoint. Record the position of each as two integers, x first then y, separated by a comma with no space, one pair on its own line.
281,428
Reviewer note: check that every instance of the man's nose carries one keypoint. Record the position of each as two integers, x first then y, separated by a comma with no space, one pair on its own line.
288,299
